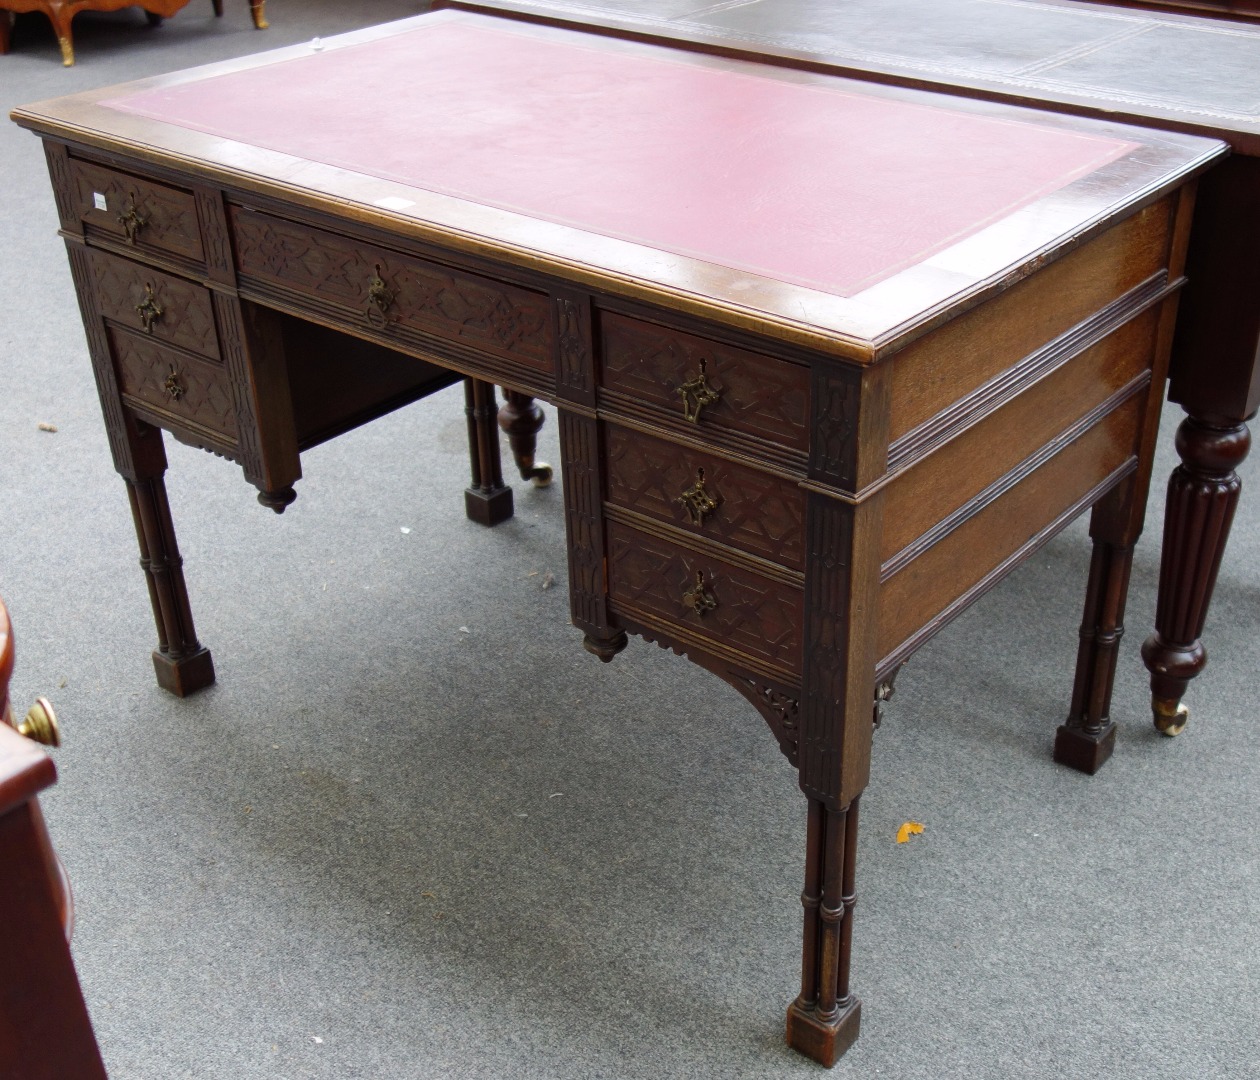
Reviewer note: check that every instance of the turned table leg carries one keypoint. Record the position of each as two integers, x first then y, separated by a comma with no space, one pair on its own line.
181,662
6,25
488,500
1202,494
823,1021
521,418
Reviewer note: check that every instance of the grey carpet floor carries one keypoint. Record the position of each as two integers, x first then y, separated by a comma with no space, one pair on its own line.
415,831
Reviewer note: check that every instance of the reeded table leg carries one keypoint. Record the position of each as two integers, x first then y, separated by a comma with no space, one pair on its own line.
823,1022
1202,494
488,500
182,663
521,418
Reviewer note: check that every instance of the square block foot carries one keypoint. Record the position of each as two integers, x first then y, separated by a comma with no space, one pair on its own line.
820,1040
1082,751
488,508
186,675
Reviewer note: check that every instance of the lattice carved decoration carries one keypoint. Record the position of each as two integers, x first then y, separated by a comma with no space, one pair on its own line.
426,296
755,615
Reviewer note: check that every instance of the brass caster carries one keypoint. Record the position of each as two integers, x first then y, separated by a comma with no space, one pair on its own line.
1170,716
541,475
67,52
41,724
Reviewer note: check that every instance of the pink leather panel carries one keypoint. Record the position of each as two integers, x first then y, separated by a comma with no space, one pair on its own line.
813,185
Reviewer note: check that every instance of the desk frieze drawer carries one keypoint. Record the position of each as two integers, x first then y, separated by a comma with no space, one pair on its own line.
706,597
179,388
717,388
165,307
384,291
707,495
136,211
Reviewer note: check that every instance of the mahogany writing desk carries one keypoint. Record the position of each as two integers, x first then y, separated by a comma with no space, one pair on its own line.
1174,72
829,359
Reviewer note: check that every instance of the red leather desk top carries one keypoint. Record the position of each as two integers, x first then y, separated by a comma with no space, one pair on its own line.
805,184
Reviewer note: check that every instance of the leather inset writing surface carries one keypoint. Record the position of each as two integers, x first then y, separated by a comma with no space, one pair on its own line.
1122,54
665,149
994,36
1214,67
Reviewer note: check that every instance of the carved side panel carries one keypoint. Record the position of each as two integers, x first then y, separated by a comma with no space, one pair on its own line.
741,610
174,384
424,296
214,236
757,395
575,362
579,441
833,456
236,361
58,159
829,543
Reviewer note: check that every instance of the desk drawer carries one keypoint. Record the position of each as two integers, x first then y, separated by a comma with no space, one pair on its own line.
173,387
707,495
167,308
719,388
140,212
373,289
706,597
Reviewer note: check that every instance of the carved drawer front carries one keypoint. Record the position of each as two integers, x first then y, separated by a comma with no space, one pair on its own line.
141,212
164,307
716,387
173,387
377,290
705,597
755,511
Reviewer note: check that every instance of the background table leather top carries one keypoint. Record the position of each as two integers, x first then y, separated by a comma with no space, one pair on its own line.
1203,73
770,174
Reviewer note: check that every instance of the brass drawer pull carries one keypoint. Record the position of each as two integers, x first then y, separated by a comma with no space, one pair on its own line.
696,394
698,598
174,388
697,501
149,309
41,724
131,221
379,296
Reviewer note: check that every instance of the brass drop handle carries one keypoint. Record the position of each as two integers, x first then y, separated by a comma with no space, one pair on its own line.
131,221
173,387
149,309
697,501
698,598
696,393
380,296
41,724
